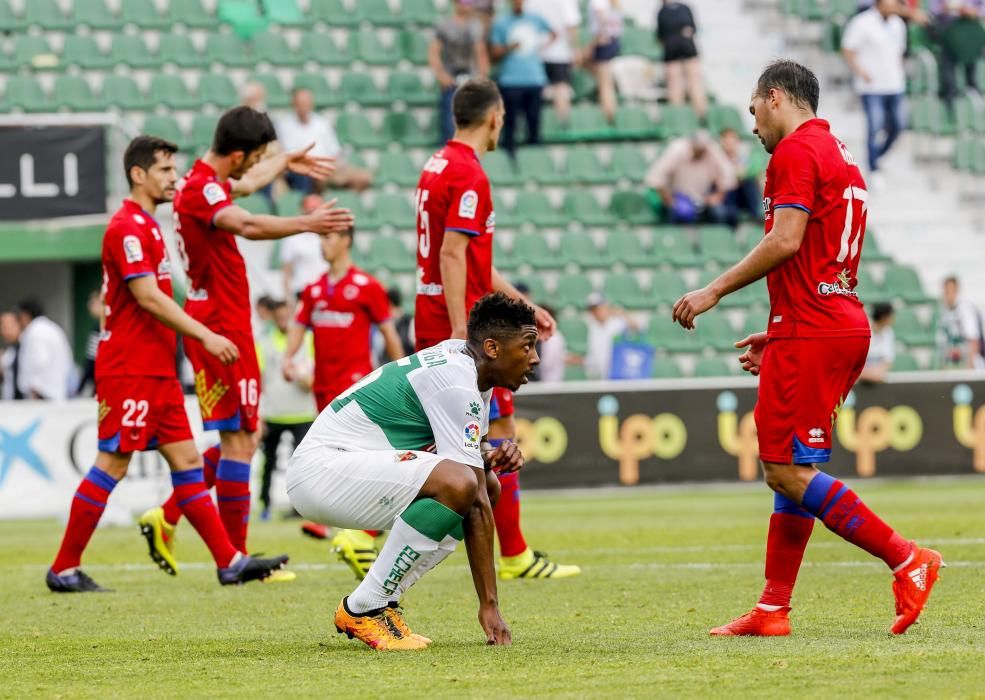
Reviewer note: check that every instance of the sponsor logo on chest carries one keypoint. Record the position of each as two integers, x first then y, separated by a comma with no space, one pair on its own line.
323,317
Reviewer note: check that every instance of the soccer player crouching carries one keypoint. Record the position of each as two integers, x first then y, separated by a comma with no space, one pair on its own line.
402,450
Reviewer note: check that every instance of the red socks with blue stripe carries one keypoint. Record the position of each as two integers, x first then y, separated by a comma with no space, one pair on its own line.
790,530
210,461
87,508
232,488
192,496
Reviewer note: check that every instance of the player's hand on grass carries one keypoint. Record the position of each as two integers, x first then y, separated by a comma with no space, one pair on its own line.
303,162
693,304
546,325
328,219
221,347
752,358
506,458
497,631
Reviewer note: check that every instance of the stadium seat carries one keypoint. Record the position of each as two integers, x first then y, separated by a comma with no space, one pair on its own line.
503,257
628,163
626,247
84,52
535,208
584,208
354,128
24,91
366,46
132,51
46,15
536,165
911,330
277,96
171,91
666,289
499,169
217,89
583,166
677,121
902,281
74,93
712,367
144,14
379,13
714,331
632,208
227,49
333,13
572,290
192,14
284,12
96,15
322,49
413,47
167,128
871,250
532,249
395,210
724,117
587,124
397,168
671,244
575,332
407,87
634,123
403,128
637,41
391,253
121,91
905,363
718,243
10,21
178,49
34,52
422,12
255,204
271,47
289,203
665,368
359,88
535,283
202,132
578,247
575,373
323,93
623,289
663,334
366,218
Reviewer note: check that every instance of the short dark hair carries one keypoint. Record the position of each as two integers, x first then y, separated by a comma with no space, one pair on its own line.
496,316
395,296
242,129
265,301
31,307
951,279
881,310
472,101
142,153
794,79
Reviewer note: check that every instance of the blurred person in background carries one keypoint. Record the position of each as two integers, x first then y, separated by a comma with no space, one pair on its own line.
873,46
559,56
959,331
94,305
10,333
254,96
956,24
675,32
605,324
553,354
45,367
692,178
403,322
747,196
457,52
882,346
605,22
301,257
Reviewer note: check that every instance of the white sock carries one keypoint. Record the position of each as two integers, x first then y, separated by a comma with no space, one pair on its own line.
445,548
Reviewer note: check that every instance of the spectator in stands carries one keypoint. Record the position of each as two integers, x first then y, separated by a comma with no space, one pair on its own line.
45,368
882,347
559,56
675,32
605,324
692,178
747,196
516,42
301,259
485,10
873,46
94,305
254,95
10,333
605,22
304,127
959,331
957,26
553,354
402,321
458,52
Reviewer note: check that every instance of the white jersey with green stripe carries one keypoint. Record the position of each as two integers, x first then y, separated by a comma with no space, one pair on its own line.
429,401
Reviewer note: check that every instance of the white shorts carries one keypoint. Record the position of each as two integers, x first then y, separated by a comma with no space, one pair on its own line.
359,490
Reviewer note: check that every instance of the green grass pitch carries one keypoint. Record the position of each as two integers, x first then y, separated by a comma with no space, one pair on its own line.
661,566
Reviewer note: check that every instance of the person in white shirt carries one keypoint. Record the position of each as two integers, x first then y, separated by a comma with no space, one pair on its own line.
46,369
305,127
605,21
301,259
959,331
559,55
882,347
605,324
873,45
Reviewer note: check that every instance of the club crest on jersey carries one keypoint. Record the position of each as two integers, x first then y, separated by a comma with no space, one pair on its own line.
468,205
350,292
472,434
475,409
404,457
213,193
132,249
164,269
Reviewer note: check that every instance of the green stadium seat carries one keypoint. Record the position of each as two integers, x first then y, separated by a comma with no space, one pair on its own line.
663,334
665,368
624,246
911,330
284,12
902,281
871,250
572,291
24,91
671,245
404,129
121,91
132,51
718,243
34,52
202,131
714,331
584,208
333,13
628,163
535,208
360,88
165,127
74,93
395,210
322,49
413,47
178,50
677,121
575,373
536,165
499,169
217,89
422,12
575,332
397,168
366,218
391,253
407,87
582,165
95,14
10,21
905,363
271,47
724,117
84,52
289,203
503,257
255,204
277,96
144,14
227,49
754,323
535,283
623,289
378,13
579,247
365,44
587,123
323,93
354,128
534,250
712,367
171,91
634,123
46,15
637,41
192,13
632,208
666,288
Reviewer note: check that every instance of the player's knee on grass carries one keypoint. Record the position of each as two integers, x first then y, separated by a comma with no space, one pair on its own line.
239,446
114,463
452,484
493,489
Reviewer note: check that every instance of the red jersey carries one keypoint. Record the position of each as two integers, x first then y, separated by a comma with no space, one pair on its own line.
134,343
340,315
452,195
218,291
812,295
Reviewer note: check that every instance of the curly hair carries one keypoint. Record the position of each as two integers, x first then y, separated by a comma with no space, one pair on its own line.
496,315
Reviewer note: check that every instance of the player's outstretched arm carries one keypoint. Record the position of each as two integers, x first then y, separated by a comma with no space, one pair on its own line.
782,243
479,528
261,227
162,307
266,171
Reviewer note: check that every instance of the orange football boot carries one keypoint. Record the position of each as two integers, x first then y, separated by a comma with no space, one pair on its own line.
912,586
375,631
757,623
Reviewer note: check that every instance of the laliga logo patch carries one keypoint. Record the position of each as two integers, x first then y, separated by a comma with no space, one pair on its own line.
471,434
468,205
213,193
132,249
350,292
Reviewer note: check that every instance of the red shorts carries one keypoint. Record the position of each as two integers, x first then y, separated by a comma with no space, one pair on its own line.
802,383
140,413
228,395
501,404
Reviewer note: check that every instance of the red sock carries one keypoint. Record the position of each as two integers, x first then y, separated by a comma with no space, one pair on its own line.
507,515
373,533
843,512
785,545
210,458
195,502
232,488
87,508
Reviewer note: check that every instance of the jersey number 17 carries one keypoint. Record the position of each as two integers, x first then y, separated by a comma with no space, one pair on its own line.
851,236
